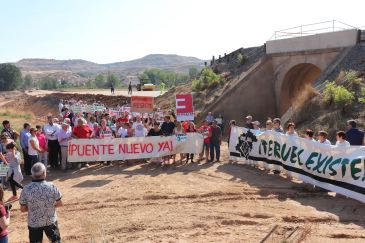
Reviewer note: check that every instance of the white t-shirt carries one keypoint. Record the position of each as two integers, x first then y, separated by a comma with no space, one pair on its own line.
343,144
139,129
31,150
51,131
326,142
293,134
122,132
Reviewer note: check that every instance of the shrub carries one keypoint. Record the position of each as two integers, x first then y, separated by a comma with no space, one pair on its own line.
208,76
241,58
342,97
351,76
329,91
339,95
197,84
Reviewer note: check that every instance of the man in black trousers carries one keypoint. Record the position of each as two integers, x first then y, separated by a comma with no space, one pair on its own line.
51,131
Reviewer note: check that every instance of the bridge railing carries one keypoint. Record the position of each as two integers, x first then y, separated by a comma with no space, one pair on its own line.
311,29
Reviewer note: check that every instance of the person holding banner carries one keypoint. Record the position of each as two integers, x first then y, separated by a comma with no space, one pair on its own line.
309,135
178,130
14,175
154,132
322,138
104,131
341,139
139,128
291,130
215,142
206,131
190,129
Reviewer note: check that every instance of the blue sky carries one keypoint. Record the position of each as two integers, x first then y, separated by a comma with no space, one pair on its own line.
107,31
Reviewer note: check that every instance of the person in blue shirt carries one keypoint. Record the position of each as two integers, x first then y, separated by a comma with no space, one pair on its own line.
353,135
24,137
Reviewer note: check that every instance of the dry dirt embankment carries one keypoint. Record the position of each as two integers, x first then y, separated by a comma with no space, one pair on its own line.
48,103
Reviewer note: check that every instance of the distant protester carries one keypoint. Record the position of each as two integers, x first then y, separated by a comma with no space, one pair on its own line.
291,130
277,125
322,138
309,135
354,136
14,174
341,139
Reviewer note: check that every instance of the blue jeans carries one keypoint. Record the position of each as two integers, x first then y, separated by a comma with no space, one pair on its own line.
4,239
217,149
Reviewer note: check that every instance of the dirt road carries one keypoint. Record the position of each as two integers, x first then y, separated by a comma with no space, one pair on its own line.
213,202
94,92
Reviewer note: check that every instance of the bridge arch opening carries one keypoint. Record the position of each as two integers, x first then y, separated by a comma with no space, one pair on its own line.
295,82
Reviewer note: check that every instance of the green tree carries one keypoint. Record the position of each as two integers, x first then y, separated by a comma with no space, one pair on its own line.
100,81
112,80
90,83
10,77
28,81
48,83
208,76
162,87
157,76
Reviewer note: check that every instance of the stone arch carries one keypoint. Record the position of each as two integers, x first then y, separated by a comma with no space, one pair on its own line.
295,81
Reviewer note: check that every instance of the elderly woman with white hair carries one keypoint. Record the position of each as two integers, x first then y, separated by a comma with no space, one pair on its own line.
40,199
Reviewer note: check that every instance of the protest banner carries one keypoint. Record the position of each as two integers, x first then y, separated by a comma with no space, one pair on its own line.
338,169
184,107
3,169
78,108
141,104
109,149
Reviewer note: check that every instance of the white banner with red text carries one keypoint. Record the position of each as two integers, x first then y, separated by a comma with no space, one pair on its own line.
338,169
110,149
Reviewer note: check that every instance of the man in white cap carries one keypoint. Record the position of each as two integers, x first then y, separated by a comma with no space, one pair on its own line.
40,199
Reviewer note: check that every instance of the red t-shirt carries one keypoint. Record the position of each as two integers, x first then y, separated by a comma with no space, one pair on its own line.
123,119
205,130
82,131
3,214
185,125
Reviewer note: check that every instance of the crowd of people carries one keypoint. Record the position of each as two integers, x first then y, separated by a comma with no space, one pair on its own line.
45,148
352,135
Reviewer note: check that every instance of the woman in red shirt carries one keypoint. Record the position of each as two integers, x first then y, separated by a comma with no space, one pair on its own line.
4,219
82,130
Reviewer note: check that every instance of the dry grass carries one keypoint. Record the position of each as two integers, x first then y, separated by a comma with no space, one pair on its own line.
17,118
307,93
